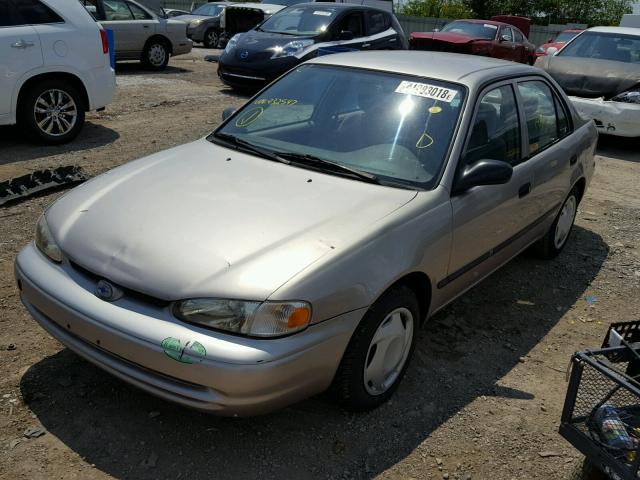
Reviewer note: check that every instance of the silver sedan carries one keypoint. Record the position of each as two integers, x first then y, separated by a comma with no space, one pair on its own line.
302,244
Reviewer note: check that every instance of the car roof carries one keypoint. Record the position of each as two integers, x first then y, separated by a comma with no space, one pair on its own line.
622,30
470,70
337,6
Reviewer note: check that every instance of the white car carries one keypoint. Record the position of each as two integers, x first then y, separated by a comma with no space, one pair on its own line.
140,33
54,66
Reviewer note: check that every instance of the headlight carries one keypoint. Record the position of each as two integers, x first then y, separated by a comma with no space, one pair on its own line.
195,23
630,96
257,319
292,48
45,242
231,44
540,50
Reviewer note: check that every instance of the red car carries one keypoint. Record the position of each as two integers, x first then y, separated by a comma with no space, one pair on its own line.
559,41
489,38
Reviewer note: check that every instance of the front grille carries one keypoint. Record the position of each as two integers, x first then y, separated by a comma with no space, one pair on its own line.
139,296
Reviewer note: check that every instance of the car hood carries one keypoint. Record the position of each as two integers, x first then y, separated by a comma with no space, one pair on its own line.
202,220
447,37
591,77
255,45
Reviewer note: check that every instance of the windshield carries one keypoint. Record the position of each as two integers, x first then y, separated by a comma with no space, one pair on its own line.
604,46
309,20
395,127
208,10
481,30
564,37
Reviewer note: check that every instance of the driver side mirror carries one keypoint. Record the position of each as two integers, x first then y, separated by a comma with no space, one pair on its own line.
346,35
482,172
227,112
505,38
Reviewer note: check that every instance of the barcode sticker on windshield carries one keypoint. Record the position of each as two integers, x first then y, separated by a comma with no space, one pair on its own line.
488,25
324,13
427,91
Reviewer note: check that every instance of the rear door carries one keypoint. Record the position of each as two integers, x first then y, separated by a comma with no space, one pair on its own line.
380,34
20,50
521,47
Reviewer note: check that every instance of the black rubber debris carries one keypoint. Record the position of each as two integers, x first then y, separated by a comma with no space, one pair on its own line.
21,188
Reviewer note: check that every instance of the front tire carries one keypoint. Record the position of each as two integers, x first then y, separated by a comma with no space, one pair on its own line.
555,239
52,112
211,38
155,55
379,351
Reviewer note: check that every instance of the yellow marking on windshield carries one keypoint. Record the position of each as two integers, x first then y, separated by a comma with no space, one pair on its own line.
424,141
435,109
249,117
276,101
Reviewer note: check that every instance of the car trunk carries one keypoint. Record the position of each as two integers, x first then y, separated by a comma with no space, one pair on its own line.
242,19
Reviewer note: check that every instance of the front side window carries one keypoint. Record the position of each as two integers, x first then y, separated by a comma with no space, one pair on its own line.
485,31
518,36
117,10
138,13
395,127
352,23
604,46
300,21
33,12
496,129
505,34
540,113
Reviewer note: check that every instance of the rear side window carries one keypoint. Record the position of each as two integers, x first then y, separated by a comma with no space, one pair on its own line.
117,10
496,129
378,22
138,13
6,17
540,112
517,35
33,12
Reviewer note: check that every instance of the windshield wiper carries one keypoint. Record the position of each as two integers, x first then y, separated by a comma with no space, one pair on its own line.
247,146
318,162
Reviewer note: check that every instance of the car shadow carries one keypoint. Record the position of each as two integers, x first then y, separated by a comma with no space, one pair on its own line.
621,148
13,143
461,354
136,68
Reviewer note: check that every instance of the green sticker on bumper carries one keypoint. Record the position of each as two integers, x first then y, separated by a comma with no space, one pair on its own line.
174,349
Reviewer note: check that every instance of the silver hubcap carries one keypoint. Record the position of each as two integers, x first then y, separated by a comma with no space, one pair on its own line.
388,351
565,221
157,55
55,112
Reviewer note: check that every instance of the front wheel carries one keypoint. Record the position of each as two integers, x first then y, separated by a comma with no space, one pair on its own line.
155,55
379,351
555,239
52,112
211,38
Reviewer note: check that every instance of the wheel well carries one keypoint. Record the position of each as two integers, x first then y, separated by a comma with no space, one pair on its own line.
68,77
580,186
162,39
420,284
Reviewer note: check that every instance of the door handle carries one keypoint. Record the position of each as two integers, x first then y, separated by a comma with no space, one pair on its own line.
145,26
365,45
573,159
22,44
524,190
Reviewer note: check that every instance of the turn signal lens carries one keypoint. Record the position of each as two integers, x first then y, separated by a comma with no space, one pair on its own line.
299,318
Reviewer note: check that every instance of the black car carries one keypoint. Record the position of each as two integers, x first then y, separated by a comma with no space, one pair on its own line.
297,33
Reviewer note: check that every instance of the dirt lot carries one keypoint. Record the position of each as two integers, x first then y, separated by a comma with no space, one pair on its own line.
481,399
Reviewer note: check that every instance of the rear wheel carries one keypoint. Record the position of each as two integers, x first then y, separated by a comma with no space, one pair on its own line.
555,239
379,351
211,38
155,55
52,111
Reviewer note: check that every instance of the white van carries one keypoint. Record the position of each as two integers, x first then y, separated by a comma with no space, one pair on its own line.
54,66
630,20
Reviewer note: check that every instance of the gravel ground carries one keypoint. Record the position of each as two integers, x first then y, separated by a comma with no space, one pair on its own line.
481,399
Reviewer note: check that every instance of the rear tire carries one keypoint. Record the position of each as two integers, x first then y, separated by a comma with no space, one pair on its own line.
379,351
52,112
556,238
586,470
155,55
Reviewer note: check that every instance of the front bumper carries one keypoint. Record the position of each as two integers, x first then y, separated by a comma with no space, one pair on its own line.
612,118
183,46
196,33
253,75
236,376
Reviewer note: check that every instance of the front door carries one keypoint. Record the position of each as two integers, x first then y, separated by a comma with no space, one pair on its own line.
20,52
488,220
130,34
